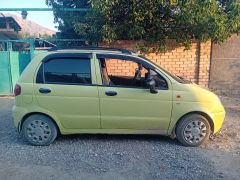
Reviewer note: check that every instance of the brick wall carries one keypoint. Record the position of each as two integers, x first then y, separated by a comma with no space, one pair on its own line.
119,67
193,64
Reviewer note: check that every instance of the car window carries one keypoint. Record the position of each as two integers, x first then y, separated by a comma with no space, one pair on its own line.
67,71
120,72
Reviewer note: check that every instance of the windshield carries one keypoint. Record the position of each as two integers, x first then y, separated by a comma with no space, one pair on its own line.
177,78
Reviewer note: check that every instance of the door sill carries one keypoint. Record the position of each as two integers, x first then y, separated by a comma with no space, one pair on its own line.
113,131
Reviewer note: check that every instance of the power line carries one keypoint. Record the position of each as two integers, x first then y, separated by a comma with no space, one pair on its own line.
45,9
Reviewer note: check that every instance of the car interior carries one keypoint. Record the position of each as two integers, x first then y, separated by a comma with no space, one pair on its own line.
138,80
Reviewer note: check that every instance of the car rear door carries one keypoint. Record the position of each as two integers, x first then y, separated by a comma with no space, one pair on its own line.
65,88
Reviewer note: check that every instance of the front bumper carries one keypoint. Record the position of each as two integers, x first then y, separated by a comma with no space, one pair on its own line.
218,119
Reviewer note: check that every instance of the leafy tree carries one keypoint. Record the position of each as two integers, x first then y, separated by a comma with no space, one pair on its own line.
149,20
67,19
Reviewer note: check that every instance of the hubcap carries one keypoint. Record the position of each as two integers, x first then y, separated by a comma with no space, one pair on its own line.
195,131
38,131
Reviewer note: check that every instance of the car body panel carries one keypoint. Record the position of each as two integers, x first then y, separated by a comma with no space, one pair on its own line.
191,98
77,107
134,108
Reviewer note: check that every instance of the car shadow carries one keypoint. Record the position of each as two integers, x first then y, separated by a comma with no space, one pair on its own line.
13,137
117,138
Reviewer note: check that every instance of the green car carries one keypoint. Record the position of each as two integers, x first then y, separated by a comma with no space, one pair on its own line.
110,91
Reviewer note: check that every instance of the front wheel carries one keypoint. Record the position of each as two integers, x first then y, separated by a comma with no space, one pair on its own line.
193,130
39,130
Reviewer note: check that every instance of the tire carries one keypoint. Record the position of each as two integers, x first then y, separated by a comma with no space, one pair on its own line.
39,130
193,130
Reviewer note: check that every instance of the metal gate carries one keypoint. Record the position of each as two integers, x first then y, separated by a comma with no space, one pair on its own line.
13,60
5,73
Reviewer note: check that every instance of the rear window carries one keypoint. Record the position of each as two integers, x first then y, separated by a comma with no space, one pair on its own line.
65,71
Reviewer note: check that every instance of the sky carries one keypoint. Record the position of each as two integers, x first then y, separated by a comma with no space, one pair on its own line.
44,18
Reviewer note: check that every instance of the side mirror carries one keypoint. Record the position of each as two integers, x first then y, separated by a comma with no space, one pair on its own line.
151,82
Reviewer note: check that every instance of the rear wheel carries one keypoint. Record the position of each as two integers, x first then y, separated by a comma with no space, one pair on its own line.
193,130
39,130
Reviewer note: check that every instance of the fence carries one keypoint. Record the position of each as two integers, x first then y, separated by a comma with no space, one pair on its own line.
13,60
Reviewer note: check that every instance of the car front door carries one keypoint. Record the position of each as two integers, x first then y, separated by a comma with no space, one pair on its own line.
65,88
124,106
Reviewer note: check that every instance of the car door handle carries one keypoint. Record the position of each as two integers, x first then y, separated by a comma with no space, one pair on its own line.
111,93
44,90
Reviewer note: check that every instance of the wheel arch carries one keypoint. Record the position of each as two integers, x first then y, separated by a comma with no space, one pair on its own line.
195,112
38,113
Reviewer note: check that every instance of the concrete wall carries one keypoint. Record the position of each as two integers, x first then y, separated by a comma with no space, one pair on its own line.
225,67
193,64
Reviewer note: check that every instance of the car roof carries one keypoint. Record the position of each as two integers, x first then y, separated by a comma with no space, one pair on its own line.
93,49
100,50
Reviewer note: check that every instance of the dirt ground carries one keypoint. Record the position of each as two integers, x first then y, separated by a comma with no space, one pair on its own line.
224,148
228,139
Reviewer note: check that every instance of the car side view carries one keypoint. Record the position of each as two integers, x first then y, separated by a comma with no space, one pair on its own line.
110,91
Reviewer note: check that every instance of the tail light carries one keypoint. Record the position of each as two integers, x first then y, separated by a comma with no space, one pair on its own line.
17,90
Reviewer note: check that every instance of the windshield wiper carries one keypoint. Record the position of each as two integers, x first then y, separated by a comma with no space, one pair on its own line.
185,80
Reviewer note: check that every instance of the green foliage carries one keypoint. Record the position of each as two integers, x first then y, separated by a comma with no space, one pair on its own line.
149,20
23,35
68,20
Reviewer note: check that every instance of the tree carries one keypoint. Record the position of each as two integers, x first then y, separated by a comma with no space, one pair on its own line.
68,20
149,20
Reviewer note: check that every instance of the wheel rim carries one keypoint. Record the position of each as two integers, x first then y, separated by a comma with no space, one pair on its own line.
195,131
38,131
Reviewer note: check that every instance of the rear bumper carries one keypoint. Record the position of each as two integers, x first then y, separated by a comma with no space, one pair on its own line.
218,119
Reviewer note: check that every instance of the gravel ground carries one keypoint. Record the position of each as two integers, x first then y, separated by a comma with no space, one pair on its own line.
107,157
228,139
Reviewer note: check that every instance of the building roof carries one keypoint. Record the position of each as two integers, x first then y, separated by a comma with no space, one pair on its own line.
14,24
9,28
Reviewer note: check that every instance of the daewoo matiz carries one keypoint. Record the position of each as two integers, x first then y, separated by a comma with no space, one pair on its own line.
110,91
